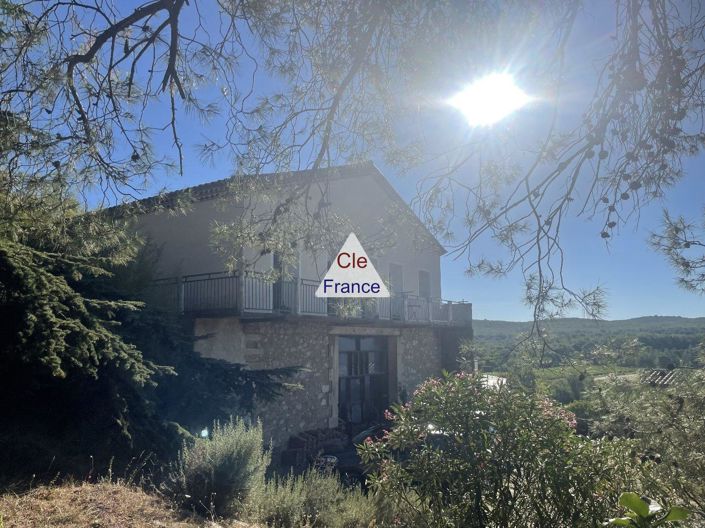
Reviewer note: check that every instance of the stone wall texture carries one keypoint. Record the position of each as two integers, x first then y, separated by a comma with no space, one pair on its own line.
419,351
308,343
303,344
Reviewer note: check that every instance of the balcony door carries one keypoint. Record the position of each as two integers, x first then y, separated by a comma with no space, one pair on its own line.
284,290
363,381
396,288
256,291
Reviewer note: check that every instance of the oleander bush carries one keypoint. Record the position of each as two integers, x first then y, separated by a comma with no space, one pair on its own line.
463,454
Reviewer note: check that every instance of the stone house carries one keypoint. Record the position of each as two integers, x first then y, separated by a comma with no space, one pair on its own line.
353,364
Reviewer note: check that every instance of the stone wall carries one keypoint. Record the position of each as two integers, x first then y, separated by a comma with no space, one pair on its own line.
419,357
310,343
220,338
298,343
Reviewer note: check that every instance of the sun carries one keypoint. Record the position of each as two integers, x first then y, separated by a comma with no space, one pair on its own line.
490,99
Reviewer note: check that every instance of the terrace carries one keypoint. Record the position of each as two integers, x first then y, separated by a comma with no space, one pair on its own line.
250,294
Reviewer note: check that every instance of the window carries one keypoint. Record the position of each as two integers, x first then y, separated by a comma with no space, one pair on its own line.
396,288
396,278
424,284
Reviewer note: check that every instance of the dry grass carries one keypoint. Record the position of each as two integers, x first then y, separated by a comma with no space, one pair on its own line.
103,505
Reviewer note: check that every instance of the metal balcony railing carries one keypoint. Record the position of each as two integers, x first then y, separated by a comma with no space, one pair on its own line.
251,293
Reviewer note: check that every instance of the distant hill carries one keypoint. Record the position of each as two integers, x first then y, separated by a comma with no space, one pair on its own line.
668,340
487,330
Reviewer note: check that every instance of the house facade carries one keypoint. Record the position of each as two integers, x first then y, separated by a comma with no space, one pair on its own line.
354,362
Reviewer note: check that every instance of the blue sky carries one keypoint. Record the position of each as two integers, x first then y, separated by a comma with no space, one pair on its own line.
638,281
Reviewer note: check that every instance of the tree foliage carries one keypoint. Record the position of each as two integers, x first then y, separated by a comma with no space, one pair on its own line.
464,454
48,323
656,342
92,90
683,243
667,423
91,379
91,374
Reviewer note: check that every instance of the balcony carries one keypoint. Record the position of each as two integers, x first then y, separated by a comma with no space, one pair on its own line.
250,294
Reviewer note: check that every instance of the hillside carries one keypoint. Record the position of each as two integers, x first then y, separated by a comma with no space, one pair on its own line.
665,340
488,330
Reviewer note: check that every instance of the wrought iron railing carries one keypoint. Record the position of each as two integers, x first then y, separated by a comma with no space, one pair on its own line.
210,292
254,293
310,304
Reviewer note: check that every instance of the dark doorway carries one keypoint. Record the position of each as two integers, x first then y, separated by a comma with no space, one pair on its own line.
363,378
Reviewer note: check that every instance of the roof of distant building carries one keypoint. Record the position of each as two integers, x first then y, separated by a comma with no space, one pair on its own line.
662,377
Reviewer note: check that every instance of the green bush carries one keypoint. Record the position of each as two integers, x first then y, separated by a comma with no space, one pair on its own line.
669,435
313,499
216,475
463,454
642,512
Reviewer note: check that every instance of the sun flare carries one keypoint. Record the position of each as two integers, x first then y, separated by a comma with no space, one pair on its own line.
490,99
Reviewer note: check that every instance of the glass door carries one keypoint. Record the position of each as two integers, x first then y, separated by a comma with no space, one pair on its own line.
363,378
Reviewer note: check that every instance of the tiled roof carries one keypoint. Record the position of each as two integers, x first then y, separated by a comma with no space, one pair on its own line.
220,188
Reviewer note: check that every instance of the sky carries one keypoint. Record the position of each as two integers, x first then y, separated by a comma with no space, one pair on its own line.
638,281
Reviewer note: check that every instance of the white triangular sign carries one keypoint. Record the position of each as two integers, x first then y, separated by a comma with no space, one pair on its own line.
352,274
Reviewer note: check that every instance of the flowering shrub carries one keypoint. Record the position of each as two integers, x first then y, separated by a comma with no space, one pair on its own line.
551,409
462,454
